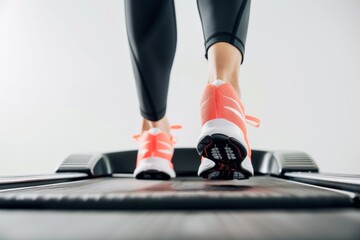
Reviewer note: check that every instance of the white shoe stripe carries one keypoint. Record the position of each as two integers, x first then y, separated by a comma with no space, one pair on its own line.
237,113
203,103
236,104
166,144
165,151
143,144
143,151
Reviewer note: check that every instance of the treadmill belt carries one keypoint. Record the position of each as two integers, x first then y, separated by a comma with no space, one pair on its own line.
111,193
175,225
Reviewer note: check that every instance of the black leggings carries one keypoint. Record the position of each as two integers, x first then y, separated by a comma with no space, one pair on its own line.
151,28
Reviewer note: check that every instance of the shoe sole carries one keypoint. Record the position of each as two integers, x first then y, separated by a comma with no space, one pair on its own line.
154,168
227,153
152,175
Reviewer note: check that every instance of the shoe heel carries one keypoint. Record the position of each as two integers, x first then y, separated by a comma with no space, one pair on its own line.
219,147
154,168
221,139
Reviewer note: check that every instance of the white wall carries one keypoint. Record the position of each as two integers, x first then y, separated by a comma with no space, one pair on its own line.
66,82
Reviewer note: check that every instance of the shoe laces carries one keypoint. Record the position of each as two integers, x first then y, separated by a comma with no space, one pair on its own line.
252,121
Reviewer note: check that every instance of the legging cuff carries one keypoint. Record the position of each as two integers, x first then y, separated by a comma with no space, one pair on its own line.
225,37
154,116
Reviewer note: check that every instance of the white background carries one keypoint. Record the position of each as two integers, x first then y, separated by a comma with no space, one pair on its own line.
66,83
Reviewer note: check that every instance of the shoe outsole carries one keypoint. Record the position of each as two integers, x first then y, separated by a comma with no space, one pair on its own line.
152,175
227,153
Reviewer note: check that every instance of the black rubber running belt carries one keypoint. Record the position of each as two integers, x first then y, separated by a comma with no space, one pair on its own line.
182,193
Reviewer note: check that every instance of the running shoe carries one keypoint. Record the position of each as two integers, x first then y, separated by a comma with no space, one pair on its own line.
154,156
223,142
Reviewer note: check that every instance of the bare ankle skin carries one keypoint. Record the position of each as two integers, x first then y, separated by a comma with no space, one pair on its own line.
162,124
224,62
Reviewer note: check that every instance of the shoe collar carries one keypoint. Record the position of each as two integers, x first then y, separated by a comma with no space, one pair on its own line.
156,131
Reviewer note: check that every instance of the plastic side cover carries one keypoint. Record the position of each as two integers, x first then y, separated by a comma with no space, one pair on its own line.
279,162
92,164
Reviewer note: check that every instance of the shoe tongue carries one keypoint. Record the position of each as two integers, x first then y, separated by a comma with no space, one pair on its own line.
154,131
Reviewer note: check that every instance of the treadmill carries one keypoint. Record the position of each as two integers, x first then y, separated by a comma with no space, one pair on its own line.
94,196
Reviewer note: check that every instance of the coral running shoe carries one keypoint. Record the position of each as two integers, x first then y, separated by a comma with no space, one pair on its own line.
154,155
223,142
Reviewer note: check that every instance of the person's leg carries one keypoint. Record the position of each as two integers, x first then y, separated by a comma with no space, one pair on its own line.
225,25
223,142
151,28
224,63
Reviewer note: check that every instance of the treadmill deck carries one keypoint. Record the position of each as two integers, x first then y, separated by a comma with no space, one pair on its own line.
124,193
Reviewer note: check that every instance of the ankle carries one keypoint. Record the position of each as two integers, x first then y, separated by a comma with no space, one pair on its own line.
161,124
233,81
224,63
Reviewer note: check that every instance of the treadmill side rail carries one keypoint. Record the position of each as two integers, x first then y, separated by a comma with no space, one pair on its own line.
350,183
280,162
95,165
35,180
